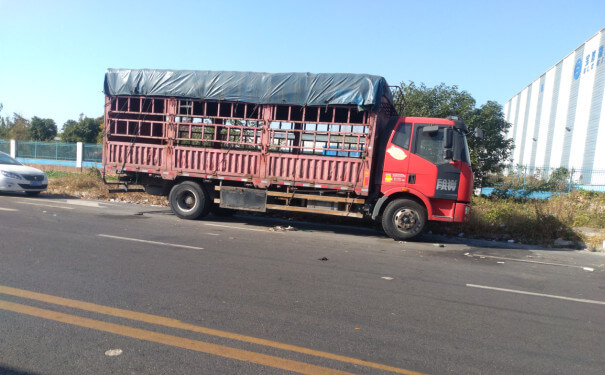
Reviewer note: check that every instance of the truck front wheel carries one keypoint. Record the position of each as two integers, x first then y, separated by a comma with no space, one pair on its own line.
188,200
403,219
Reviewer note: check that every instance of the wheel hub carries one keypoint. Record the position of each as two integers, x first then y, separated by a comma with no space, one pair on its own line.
187,202
406,219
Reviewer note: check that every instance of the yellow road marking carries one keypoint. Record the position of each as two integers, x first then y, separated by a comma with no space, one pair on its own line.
174,323
180,342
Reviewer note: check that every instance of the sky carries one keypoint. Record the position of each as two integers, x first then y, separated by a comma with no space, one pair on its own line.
54,54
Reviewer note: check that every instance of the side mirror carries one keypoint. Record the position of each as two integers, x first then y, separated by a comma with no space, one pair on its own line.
478,133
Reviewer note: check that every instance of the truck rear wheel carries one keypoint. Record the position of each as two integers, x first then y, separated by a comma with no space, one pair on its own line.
188,200
403,219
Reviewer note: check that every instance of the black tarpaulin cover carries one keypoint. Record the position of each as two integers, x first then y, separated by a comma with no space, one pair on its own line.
304,89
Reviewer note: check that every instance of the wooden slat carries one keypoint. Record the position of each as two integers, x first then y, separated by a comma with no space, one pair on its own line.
313,210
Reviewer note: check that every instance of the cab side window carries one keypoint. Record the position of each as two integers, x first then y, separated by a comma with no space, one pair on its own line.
429,145
402,134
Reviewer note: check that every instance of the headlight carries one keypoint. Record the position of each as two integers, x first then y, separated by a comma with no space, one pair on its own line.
11,175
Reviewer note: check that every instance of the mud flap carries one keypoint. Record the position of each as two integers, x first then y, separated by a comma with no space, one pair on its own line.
238,198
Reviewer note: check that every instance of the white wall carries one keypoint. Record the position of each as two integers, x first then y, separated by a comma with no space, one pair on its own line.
563,110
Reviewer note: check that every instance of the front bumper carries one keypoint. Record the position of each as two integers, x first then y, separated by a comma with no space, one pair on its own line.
10,184
462,212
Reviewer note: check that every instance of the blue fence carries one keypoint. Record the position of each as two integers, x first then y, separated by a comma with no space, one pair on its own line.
5,146
92,152
46,150
54,153
542,182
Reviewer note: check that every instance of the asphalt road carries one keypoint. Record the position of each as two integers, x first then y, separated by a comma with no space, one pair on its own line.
91,287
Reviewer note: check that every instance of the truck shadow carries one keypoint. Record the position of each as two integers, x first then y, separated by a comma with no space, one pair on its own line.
5,370
435,234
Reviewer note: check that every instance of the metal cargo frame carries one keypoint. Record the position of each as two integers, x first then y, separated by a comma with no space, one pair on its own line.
325,147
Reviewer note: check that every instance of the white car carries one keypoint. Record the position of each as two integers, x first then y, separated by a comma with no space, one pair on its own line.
15,176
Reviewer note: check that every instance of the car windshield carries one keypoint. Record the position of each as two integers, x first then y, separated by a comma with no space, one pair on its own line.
5,159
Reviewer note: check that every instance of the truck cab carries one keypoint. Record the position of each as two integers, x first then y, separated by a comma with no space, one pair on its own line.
425,174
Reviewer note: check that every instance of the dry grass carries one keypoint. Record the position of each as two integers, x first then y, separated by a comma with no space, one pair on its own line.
538,221
89,185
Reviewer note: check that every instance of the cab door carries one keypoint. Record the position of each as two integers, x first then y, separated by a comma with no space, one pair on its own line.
433,174
396,157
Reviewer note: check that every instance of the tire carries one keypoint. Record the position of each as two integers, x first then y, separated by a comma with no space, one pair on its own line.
403,219
189,201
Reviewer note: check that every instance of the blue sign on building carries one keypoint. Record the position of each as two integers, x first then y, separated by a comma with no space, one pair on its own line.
592,60
578,69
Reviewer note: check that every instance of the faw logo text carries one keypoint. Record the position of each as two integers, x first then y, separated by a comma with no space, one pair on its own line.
447,185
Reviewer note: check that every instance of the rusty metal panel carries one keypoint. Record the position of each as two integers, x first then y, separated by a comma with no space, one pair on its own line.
315,169
135,155
212,161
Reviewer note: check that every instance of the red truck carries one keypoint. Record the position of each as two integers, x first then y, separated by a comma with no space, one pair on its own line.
317,143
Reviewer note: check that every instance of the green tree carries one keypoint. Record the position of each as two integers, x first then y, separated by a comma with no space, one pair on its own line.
17,127
439,101
488,155
41,129
85,130
3,126
101,121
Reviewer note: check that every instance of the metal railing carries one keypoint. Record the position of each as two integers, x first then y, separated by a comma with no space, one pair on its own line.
53,151
92,152
46,150
5,146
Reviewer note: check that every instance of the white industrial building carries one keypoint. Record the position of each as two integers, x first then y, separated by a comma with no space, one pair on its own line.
559,119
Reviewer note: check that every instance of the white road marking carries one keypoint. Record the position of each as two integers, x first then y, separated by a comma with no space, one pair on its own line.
527,261
72,202
536,294
113,352
150,242
234,227
85,203
45,205
8,209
